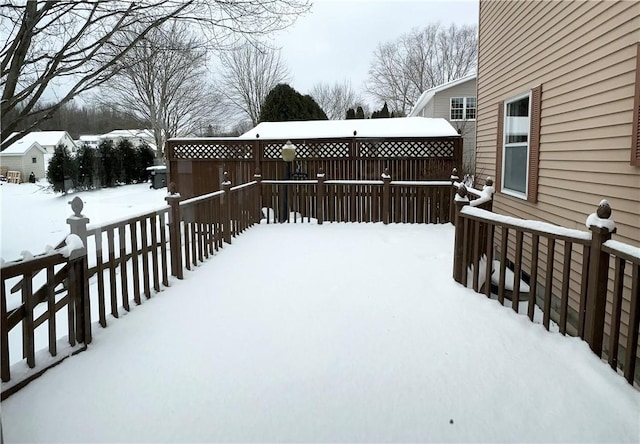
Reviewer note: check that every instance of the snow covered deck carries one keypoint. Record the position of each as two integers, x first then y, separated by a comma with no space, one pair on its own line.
340,332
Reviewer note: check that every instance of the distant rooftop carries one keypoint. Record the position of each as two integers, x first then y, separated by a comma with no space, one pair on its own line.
44,138
427,95
326,129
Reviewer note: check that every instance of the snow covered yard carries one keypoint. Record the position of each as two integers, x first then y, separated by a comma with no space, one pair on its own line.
340,332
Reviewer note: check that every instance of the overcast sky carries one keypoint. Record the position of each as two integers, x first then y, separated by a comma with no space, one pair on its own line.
336,40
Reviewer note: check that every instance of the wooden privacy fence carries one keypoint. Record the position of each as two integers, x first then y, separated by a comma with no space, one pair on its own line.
541,257
196,166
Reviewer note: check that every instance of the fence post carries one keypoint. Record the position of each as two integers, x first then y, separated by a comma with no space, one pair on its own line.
601,226
460,200
258,202
386,181
79,273
173,199
452,211
226,208
78,222
320,197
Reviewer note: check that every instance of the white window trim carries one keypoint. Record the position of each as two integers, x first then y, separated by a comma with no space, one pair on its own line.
505,190
464,109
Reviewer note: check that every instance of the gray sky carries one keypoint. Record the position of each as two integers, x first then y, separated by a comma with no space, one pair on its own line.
336,40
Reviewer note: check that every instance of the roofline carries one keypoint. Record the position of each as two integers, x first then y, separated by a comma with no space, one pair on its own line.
428,94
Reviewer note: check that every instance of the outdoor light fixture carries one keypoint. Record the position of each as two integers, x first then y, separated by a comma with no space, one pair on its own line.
288,152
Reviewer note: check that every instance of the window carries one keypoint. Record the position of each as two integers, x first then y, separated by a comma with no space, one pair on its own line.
518,145
463,108
34,160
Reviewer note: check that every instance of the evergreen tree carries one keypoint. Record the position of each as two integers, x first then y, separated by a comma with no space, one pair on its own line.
284,103
109,163
86,160
351,114
359,113
384,112
129,170
144,159
61,172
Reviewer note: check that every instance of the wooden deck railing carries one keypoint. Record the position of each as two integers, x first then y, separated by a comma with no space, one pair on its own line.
64,287
384,200
484,239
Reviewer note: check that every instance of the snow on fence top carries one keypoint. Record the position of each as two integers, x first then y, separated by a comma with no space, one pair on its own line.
328,129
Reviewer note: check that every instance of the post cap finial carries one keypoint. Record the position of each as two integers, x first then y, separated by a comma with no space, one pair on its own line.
489,181
76,205
604,210
172,188
462,190
320,170
257,172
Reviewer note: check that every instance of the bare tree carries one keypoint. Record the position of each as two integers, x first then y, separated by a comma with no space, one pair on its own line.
246,76
421,59
164,82
335,99
74,46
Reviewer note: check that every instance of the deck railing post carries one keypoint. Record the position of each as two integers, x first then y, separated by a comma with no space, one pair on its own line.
601,227
459,201
226,208
386,210
78,222
173,200
320,197
78,226
452,207
258,196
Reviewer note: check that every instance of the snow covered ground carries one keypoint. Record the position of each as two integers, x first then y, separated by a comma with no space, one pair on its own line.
340,332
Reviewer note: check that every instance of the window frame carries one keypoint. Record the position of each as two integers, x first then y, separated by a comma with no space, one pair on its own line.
34,159
505,145
464,108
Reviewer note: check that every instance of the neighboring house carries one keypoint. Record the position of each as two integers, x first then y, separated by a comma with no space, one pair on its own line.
558,105
25,158
91,140
136,137
456,102
47,140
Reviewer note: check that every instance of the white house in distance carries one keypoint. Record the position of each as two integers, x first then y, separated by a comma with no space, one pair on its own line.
25,159
47,140
456,102
33,152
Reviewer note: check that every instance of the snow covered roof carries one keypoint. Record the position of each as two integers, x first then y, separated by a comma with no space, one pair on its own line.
326,129
426,96
20,147
142,134
44,138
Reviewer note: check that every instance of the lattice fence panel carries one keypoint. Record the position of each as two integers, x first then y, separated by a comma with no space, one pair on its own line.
408,148
213,151
306,150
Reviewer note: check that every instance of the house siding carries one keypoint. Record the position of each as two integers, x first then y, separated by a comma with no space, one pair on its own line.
587,73
584,55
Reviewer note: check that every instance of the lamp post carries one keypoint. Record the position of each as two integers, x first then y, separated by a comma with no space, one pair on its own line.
288,154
